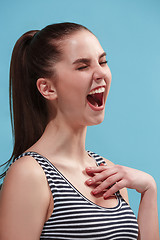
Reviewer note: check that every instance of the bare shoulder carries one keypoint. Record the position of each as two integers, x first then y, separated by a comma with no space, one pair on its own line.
25,177
25,170
124,192
24,200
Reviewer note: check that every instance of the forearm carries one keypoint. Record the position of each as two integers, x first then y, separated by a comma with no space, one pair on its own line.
148,214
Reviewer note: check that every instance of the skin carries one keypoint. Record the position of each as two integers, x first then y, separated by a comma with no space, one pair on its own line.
26,201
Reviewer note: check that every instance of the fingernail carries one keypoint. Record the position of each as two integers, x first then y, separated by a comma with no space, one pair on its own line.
102,164
89,181
105,196
95,191
88,168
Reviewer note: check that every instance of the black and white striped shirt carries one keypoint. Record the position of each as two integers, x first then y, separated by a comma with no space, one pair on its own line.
76,217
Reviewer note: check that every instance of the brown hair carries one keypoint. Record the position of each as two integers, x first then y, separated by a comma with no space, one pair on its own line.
34,56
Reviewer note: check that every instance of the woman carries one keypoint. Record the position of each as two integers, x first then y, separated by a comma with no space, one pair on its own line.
59,83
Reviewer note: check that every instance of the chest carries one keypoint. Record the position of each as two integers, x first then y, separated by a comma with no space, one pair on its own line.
76,213
78,180
69,181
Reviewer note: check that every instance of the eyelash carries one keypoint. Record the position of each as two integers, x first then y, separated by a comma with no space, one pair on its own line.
105,62
83,67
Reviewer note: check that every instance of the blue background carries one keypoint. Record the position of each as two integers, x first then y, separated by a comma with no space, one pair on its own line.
129,31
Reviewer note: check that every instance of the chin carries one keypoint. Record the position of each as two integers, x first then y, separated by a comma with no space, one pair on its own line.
95,121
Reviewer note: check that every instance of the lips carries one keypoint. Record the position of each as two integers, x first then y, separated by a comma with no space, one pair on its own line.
95,98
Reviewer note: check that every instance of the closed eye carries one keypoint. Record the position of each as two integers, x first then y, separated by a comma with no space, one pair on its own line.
103,63
86,66
83,67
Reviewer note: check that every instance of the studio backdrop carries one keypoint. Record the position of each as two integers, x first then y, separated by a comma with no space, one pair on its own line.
129,32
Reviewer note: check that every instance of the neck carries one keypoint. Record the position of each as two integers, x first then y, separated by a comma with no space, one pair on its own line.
63,141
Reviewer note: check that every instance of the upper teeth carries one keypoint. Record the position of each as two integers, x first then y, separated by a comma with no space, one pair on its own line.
99,90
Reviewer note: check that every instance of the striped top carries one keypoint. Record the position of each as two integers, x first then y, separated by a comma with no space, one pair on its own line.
76,217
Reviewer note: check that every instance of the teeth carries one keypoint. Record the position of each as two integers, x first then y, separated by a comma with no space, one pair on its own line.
99,90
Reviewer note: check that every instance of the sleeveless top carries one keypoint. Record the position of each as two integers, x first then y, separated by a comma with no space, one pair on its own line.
75,217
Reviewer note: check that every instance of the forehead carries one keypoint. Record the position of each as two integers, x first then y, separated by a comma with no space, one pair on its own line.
82,44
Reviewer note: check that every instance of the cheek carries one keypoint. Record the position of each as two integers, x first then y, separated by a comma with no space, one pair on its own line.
108,80
75,86
108,75
72,94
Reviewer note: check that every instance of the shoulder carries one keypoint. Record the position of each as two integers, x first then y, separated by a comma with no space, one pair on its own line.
26,168
25,183
24,199
25,176
98,157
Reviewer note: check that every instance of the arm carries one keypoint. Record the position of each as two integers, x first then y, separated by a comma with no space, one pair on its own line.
24,201
148,213
120,177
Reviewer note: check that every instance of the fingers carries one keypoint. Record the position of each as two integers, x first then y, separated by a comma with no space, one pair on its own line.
117,177
109,179
109,184
99,169
115,188
104,173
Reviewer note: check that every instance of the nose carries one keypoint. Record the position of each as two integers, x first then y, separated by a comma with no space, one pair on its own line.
100,73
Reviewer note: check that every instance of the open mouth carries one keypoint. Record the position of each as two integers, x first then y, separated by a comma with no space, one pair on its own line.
95,97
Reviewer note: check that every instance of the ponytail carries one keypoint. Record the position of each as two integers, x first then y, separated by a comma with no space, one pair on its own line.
27,124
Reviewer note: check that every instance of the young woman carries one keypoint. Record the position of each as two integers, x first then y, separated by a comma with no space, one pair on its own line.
55,189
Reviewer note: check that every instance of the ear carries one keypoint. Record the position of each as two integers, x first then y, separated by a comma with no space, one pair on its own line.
46,88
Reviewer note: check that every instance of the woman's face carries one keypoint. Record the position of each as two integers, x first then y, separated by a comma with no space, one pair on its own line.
83,80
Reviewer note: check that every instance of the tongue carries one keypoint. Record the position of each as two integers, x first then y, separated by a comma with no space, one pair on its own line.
95,99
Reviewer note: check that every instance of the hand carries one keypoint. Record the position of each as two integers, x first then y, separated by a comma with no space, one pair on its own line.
116,177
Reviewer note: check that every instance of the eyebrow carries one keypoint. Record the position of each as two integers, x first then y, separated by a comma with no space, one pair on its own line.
87,60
